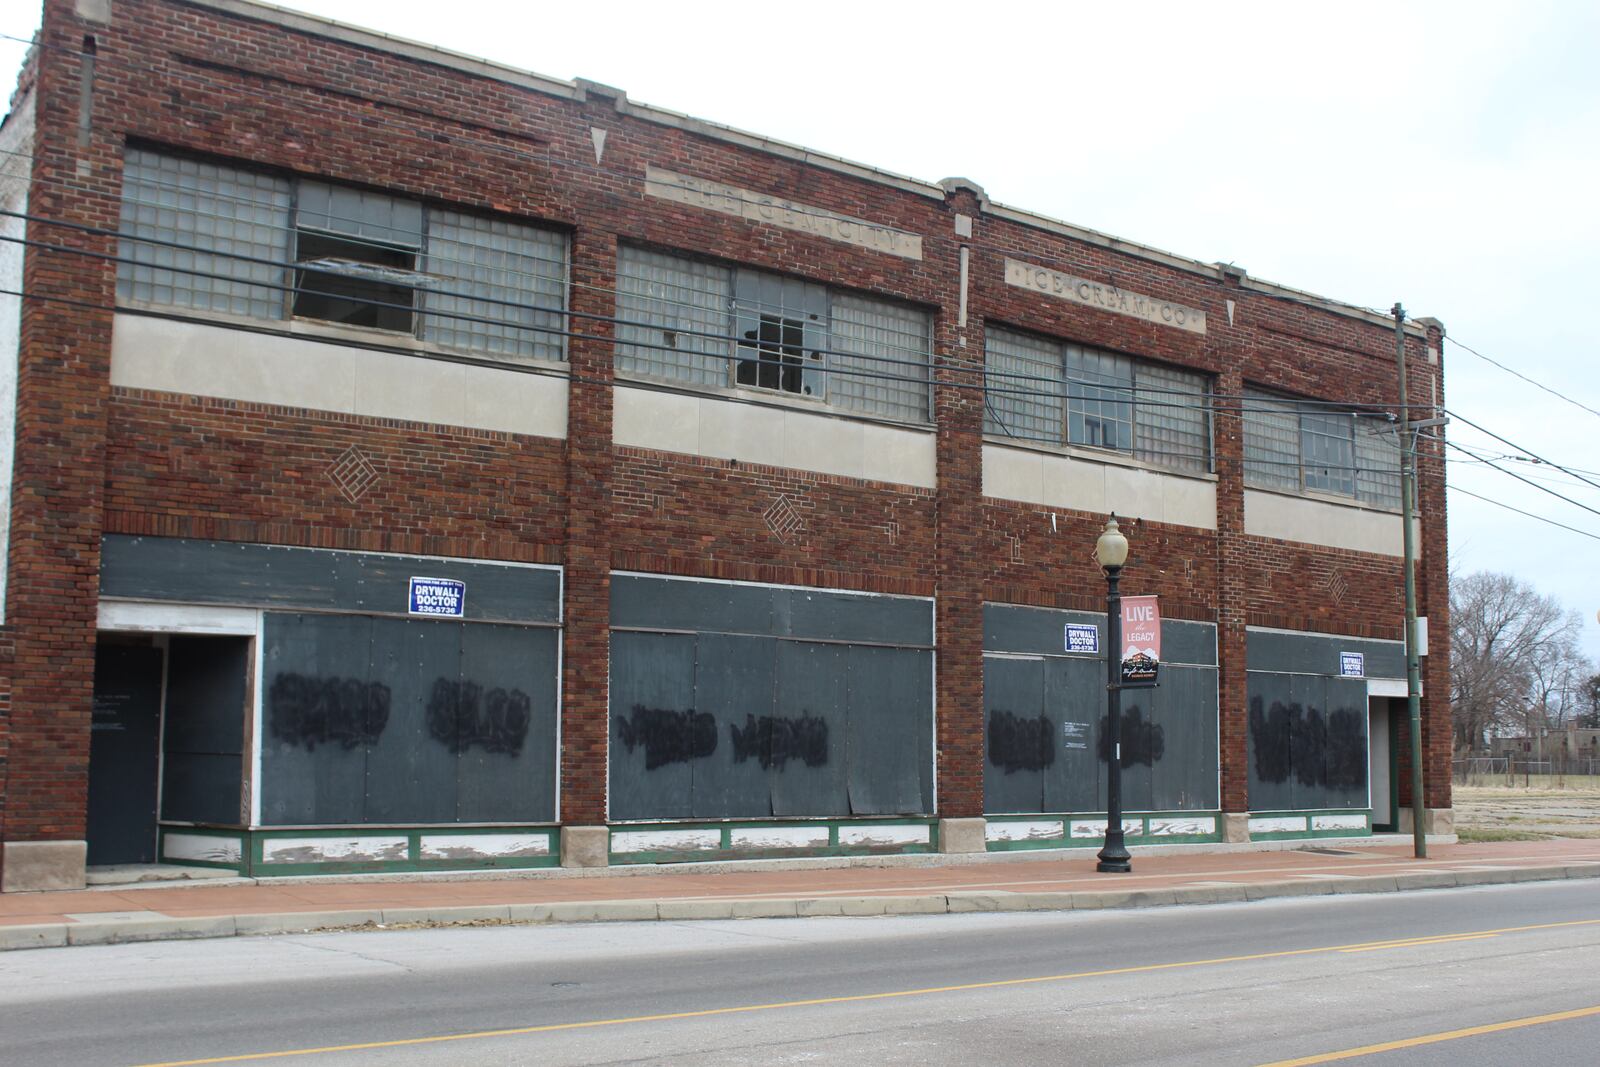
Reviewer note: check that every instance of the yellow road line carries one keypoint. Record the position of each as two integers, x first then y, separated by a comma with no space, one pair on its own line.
1418,941
856,998
1430,1039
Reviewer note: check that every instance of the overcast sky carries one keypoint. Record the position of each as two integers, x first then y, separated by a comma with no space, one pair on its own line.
1443,155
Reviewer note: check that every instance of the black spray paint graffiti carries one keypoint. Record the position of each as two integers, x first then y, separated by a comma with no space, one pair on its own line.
668,736
462,714
317,711
1019,744
1319,752
775,740
1142,742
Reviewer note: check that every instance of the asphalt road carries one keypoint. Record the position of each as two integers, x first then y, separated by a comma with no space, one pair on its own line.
1222,984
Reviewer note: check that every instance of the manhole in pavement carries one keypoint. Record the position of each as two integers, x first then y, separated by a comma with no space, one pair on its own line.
1330,851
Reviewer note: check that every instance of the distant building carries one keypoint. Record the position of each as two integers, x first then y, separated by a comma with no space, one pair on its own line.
423,464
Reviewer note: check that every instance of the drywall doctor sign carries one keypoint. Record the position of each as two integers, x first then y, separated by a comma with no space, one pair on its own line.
1141,641
443,598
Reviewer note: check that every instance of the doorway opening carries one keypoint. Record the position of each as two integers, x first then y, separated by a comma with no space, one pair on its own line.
167,741
1383,748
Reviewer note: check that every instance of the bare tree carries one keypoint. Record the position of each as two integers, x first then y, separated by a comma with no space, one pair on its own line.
1514,663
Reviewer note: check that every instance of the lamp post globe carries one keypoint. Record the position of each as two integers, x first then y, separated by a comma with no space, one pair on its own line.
1111,551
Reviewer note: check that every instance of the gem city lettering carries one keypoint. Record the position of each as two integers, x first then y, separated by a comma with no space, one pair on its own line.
786,214
1103,296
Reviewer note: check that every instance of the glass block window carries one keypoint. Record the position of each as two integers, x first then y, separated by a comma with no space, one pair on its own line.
266,247
879,358
674,317
511,278
214,215
1025,383
1295,446
1271,442
1174,426
1378,462
709,325
1059,394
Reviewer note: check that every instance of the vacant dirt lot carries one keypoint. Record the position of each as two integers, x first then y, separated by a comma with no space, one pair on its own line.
1499,813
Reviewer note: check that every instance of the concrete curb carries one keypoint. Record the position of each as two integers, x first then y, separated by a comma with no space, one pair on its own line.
119,931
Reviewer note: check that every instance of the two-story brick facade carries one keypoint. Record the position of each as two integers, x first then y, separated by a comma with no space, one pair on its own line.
422,464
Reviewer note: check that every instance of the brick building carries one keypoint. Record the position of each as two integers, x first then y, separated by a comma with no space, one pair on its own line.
419,463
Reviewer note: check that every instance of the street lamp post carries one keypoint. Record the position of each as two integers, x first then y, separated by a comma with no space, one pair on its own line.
1111,551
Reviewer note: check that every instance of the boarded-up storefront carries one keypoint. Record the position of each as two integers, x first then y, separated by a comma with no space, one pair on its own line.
737,701
1045,746
1308,722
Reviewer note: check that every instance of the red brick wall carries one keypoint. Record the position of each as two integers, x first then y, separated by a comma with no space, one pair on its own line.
92,460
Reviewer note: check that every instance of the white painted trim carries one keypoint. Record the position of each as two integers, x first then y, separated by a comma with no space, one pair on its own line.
1386,687
896,834
436,846
815,836
168,618
629,841
1028,830
258,717
209,848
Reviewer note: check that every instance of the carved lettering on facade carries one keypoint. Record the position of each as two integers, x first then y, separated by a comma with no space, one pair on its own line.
775,211
1103,296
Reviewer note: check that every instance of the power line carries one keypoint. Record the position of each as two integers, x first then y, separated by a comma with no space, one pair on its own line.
1051,382
1519,448
1516,373
1519,511
1527,481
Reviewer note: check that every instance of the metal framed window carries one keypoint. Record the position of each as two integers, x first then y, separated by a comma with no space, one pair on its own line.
1293,446
691,321
1058,393
244,243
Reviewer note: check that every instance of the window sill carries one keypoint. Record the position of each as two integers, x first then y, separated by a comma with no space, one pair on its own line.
1324,498
766,398
1105,457
359,336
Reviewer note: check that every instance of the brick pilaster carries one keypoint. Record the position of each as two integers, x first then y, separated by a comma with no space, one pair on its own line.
585,678
1232,597
960,553
63,385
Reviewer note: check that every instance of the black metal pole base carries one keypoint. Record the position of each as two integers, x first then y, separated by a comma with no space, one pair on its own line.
1114,857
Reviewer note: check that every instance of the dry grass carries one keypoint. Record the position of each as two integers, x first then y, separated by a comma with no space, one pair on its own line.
1515,813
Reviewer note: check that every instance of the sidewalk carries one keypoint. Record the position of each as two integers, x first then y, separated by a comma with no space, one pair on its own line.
771,889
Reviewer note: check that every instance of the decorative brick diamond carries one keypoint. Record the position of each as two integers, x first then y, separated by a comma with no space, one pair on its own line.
1336,586
1016,549
353,473
784,520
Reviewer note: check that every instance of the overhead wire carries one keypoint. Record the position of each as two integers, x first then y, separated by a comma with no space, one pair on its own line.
920,364
1519,511
1518,374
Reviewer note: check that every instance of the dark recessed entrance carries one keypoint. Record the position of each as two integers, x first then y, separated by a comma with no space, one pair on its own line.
168,734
